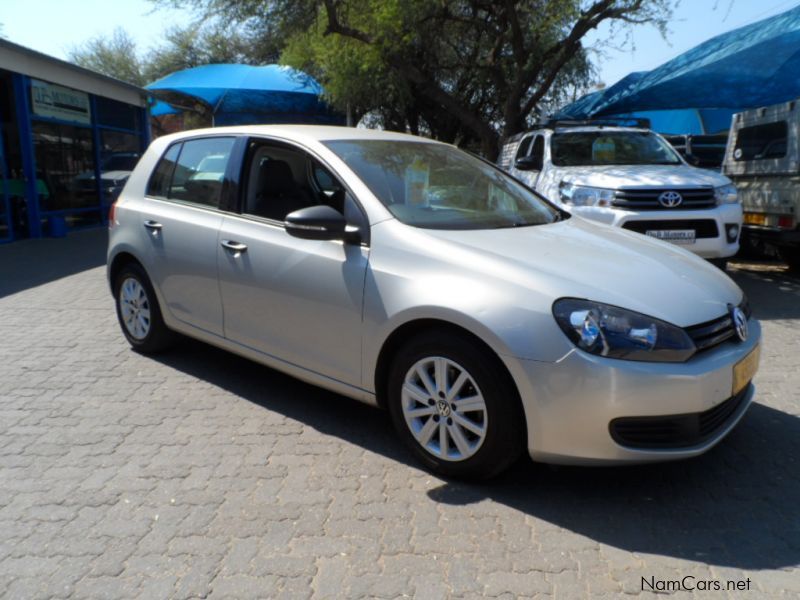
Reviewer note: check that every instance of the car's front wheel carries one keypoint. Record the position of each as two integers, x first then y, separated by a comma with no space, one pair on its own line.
453,404
138,311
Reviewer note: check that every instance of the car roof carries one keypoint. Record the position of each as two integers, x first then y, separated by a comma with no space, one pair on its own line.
303,133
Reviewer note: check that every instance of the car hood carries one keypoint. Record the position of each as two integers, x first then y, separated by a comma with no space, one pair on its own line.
582,259
636,176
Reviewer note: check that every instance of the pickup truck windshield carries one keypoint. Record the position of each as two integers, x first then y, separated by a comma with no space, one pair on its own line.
595,148
439,187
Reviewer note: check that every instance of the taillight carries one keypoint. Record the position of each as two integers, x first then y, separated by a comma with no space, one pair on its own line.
112,215
786,222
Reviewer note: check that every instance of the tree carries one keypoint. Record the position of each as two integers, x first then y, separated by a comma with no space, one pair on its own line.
115,55
469,71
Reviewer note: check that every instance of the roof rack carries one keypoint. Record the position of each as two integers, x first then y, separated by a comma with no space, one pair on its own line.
601,122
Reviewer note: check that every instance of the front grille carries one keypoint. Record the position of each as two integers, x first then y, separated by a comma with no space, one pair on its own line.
647,199
712,333
675,431
704,228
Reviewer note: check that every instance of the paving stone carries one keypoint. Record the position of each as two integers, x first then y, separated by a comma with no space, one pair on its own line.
197,474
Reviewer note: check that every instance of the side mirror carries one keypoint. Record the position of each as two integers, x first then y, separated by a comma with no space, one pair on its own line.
692,160
528,163
319,222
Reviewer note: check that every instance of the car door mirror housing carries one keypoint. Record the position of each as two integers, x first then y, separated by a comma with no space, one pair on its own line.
319,222
528,163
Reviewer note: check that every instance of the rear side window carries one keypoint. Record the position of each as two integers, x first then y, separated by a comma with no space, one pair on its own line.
761,141
159,181
193,171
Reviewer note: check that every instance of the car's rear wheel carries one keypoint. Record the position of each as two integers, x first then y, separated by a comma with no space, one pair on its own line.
453,404
138,311
720,263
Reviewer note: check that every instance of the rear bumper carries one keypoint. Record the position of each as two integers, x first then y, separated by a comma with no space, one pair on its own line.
775,236
571,404
707,247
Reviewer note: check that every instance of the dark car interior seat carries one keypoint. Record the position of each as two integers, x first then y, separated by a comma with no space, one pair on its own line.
277,193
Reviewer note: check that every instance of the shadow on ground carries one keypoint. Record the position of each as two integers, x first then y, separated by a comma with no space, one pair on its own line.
735,506
30,263
773,291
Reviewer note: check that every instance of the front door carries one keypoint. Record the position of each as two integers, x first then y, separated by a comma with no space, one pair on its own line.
296,300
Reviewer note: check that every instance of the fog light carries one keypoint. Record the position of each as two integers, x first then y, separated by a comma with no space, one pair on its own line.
732,231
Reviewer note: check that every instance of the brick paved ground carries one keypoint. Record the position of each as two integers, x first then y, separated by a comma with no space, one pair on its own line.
201,474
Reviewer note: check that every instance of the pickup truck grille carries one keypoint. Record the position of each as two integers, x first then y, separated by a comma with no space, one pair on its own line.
647,199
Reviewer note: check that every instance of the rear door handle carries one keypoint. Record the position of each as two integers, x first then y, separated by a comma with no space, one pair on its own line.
153,226
234,246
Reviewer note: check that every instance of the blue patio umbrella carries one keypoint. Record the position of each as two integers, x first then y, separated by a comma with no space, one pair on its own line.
244,94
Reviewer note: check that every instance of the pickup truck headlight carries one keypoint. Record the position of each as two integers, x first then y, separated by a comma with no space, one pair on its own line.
581,195
615,332
726,194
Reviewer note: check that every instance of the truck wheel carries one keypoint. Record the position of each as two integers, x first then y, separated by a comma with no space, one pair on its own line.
791,256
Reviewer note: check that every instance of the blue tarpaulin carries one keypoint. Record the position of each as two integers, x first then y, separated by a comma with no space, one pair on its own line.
755,65
245,94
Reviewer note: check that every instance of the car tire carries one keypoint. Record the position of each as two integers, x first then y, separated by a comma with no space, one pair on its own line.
473,431
138,311
720,263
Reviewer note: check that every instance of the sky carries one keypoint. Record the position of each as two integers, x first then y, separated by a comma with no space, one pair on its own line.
55,26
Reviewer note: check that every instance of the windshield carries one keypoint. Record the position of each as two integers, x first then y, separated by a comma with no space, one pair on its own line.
440,187
589,148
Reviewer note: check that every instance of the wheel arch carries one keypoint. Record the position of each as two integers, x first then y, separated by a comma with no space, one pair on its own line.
406,331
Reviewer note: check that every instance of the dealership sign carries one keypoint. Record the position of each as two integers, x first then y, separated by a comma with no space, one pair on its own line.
56,102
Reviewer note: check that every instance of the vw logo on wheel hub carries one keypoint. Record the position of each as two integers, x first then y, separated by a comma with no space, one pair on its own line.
670,199
739,323
443,408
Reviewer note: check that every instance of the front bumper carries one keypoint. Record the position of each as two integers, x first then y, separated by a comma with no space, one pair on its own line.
570,404
706,247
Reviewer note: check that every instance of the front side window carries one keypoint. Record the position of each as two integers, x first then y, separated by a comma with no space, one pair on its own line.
761,141
596,148
440,187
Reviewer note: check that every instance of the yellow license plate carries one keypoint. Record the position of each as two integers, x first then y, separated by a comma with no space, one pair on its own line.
745,369
755,218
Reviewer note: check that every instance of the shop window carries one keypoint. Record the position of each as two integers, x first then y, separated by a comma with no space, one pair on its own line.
65,170
112,113
119,153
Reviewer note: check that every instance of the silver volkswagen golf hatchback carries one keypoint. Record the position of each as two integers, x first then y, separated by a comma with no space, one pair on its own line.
408,274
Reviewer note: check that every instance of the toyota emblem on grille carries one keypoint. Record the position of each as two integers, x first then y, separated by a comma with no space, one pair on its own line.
670,199
739,323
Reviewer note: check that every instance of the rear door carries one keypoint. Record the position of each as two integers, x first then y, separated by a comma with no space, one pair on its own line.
294,299
181,222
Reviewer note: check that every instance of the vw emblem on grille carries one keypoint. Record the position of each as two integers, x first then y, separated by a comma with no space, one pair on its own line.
739,323
670,199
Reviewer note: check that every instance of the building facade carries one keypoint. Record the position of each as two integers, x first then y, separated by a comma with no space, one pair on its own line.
69,138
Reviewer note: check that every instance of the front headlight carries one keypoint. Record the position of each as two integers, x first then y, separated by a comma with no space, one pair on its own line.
618,333
581,195
726,194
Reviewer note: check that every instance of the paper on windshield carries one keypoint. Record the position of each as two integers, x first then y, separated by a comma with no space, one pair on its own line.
416,182
603,150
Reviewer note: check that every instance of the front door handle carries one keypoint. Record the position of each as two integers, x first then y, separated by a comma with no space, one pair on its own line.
233,246
153,226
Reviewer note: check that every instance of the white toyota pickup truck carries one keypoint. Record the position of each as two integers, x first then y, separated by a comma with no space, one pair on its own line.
631,178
